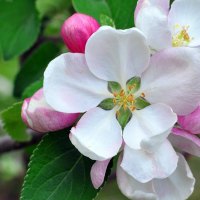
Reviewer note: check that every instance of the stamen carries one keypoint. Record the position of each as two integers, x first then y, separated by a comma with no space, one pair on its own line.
142,95
181,37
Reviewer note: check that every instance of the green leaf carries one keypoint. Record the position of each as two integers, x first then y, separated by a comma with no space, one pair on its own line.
20,26
107,104
122,12
30,90
13,124
106,21
46,7
35,66
93,8
57,171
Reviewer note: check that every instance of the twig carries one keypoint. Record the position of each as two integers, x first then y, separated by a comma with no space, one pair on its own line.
7,144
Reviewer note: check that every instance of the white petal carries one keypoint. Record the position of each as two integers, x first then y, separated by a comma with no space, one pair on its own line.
185,142
98,172
186,13
173,78
117,55
179,186
131,188
160,4
149,126
70,87
145,166
98,134
151,19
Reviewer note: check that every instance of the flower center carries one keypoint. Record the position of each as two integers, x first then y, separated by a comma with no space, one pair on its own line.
124,99
181,37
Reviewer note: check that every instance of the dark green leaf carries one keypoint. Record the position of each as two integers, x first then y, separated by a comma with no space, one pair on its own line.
30,90
107,104
35,66
46,7
93,8
13,124
57,171
122,12
20,26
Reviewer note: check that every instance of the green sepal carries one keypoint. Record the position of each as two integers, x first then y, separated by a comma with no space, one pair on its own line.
134,83
114,87
106,21
107,104
123,116
141,103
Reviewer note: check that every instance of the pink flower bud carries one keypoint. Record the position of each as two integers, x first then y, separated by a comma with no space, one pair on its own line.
191,122
76,30
39,116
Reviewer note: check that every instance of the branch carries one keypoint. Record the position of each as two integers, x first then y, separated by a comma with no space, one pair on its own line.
7,144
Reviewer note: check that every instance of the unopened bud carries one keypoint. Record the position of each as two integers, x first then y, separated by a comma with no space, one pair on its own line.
39,116
76,30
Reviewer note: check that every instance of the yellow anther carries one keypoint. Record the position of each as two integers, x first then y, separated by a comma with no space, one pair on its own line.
122,93
115,94
132,108
142,94
130,98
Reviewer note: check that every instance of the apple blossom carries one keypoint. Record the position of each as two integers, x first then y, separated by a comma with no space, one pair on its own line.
116,68
39,116
165,27
178,186
76,30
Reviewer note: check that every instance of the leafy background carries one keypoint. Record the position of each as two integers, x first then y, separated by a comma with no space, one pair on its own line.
29,39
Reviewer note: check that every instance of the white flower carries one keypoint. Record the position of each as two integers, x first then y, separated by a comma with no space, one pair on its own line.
178,186
164,27
76,82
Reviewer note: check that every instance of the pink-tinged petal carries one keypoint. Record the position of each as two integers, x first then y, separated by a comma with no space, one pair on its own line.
131,188
184,13
149,126
76,30
161,4
151,19
39,116
191,122
117,55
98,172
98,134
70,87
24,109
145,166
159,82
178,186
185,141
